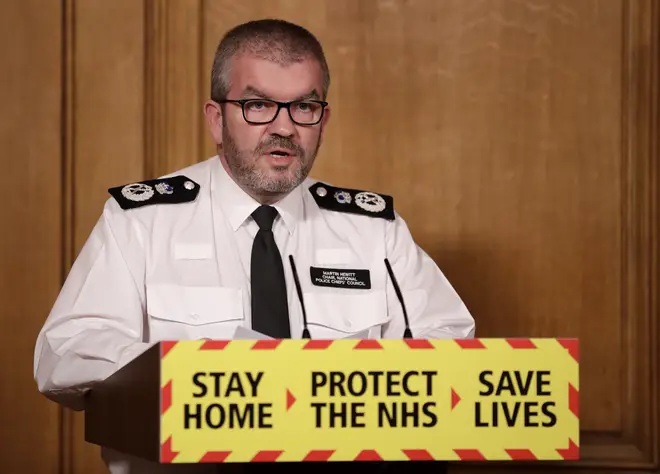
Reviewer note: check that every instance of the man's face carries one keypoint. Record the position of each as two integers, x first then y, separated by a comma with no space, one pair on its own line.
270,160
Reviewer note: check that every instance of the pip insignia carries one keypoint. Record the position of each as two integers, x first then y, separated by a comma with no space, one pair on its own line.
354,201
164,188
343,197
174,190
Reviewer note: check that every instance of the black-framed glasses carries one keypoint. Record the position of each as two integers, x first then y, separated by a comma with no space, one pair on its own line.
263,111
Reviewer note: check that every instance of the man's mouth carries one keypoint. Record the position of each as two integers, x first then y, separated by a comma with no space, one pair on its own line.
280,153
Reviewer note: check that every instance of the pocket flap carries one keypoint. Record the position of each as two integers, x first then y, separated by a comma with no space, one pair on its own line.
347,313
194,305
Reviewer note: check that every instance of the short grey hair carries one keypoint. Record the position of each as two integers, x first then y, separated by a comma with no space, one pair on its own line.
275,40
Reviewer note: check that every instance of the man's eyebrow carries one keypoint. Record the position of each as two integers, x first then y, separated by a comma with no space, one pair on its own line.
311,95
254,92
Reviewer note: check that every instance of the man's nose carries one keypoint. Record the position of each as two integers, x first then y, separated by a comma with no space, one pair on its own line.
282,125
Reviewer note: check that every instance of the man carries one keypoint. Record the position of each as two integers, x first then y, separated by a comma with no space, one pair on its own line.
212,247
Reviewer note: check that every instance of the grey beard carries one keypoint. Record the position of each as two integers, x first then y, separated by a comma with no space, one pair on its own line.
249,176
246,173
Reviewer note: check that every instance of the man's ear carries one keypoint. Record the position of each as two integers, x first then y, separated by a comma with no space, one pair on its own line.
214,118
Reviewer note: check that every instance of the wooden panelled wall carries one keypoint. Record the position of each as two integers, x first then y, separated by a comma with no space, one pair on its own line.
519,138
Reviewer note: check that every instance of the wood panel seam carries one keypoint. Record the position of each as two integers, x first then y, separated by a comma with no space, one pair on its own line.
66,461
639,181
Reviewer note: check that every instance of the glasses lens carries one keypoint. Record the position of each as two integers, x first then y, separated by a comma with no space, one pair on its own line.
264,111
260,111
306,112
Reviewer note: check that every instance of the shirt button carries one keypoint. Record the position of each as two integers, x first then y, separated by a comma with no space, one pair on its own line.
347,322
194,317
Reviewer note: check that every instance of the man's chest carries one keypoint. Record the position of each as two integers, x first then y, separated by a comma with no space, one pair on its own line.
198,281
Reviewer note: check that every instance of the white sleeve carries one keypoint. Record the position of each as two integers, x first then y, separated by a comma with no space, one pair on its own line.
435,311
96,324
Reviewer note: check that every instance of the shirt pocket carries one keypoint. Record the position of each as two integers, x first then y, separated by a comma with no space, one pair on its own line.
344,315
193,312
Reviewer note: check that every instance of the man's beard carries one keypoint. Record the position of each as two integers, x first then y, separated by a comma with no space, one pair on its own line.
244,169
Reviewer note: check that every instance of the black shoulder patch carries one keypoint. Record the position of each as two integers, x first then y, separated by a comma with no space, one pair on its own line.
174,190
354,201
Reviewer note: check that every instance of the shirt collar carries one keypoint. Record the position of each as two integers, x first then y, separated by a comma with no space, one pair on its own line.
238,205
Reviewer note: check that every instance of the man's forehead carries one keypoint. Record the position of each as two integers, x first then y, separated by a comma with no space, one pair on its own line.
276,78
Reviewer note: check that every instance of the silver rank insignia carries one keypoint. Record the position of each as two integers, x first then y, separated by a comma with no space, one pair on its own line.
343,197
173,190
137,192
353,201
370,202
164,188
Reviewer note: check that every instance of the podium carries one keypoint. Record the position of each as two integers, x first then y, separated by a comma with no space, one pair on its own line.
123,411
342,401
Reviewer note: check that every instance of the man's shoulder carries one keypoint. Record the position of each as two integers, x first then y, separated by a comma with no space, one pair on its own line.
179,187
350,201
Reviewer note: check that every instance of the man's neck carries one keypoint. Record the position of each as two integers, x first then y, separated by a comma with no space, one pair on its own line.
265,199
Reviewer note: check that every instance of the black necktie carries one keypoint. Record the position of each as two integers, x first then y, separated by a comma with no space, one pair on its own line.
270,312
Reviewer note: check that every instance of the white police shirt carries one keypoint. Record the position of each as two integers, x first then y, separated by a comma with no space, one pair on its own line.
178,268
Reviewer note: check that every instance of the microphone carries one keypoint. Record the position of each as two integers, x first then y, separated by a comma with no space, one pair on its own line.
407,334
305,333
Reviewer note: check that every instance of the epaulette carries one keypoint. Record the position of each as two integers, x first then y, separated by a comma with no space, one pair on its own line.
174,190
354,201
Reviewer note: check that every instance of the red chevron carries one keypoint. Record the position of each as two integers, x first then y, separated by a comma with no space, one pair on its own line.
470,343
469,454
318,455
419,343
166,453
215,456
290,399
165,347
368,344
318,344
521,454
165,397
418,455
266,456
521,343
214,346
267,345
574,400
368,455
573,347
455,398
570,453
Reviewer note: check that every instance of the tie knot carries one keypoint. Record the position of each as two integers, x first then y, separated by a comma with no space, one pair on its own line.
264,217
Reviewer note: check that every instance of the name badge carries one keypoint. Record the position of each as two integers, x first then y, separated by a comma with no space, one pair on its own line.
341,278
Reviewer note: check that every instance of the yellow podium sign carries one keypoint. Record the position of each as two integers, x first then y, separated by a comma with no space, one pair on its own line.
346,400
